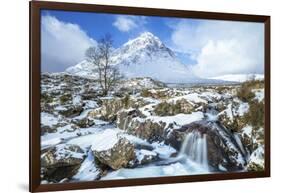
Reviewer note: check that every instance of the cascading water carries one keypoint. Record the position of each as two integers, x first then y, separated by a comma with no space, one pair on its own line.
195,147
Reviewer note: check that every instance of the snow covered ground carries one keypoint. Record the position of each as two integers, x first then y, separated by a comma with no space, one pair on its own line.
76,116
239,77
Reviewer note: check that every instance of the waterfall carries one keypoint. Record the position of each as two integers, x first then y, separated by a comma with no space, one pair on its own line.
195,148
125,124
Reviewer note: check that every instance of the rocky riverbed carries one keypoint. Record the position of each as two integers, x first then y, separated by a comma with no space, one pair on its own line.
144,128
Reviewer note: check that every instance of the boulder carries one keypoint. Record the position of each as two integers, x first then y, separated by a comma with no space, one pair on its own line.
46,107
162,93
48,129
144,156
84,122
50,123
231,119
173,108
66,98
135,123
110,107
113,150
61,161
71,110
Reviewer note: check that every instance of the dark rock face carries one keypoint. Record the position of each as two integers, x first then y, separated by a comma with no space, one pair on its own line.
47,129
222,149
61,161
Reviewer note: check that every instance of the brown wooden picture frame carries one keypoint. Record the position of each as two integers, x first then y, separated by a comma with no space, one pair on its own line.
34,100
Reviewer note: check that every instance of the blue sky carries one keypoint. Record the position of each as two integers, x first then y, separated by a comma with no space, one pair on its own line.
199,43
97,24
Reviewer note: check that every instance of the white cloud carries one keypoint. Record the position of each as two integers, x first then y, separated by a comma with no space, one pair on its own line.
125,23
128,23
221,47
62,44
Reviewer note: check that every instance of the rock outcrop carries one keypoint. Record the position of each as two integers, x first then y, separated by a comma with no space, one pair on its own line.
61,161
134,122
222,148
115,151
110,107
84,122
173,108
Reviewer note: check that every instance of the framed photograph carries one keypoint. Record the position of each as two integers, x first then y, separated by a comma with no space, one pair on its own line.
124,96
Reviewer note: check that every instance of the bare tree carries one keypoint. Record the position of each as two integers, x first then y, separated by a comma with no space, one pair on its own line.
101,58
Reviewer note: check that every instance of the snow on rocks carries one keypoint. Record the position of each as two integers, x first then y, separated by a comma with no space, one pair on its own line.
259,94
233,116
122,136
140,83
194,98
164,151
222,148
61,161
242,109
48,119
113,150
88,170
247,130
256,160
50,123
71,110
179,119
62,155
152,128
144,156
105,140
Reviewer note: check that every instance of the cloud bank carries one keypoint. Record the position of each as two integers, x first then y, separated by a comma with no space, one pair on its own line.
62,44
221,47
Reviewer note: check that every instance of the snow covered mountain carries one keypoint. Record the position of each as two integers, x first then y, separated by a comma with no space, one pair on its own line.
145,56
239,77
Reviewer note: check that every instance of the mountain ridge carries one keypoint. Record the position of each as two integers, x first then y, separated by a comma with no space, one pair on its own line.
144,56
147,56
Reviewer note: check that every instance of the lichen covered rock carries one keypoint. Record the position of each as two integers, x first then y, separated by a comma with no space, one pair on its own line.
134,122
168,109
110,107
113,150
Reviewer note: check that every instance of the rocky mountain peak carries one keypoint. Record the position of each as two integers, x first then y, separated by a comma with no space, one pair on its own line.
144,56
145,38
146,45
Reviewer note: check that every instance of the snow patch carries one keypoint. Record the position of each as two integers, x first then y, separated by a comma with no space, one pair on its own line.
259,94
48,119
105,140
257,156
88,170
179,119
